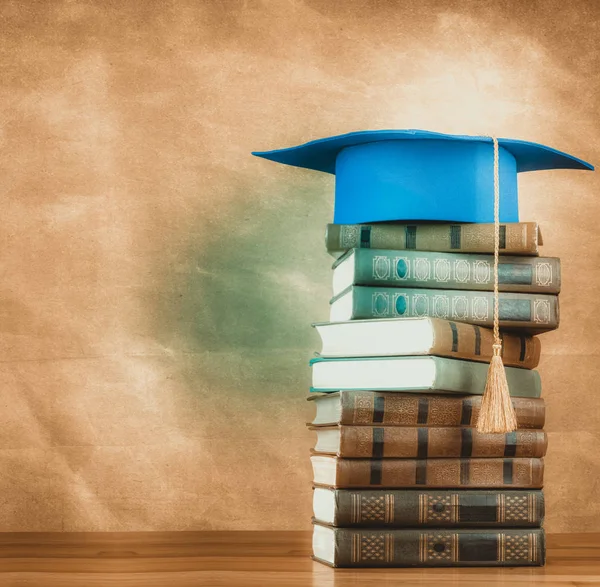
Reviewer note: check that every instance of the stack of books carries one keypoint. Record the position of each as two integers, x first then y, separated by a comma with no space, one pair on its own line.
401,475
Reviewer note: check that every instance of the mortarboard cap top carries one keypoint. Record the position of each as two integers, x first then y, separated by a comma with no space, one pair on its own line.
388,175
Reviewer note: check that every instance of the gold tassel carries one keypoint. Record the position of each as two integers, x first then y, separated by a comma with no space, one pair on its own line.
497,414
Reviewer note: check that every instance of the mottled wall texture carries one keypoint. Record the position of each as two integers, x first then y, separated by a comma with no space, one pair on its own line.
158,282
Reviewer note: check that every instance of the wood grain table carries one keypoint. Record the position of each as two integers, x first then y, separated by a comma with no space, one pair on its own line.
257,559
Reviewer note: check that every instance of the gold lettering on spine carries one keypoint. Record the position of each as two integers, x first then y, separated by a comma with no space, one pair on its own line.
530,471
422,509
355,548
530,546
389,548
455,507
389,508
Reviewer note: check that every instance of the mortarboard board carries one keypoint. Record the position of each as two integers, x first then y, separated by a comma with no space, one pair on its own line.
388,175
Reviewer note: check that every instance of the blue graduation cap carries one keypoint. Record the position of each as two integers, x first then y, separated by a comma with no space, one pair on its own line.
413,175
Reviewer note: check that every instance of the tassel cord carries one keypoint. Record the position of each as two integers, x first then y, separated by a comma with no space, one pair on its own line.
497,414
497,341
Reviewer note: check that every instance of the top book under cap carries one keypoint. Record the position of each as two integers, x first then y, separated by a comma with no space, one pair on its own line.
417,175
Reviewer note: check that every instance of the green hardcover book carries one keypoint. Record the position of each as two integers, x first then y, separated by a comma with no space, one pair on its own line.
445,271
519,238
532,313
441,508
424,373
440,547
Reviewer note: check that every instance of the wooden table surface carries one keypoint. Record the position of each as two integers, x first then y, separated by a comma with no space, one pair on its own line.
260,559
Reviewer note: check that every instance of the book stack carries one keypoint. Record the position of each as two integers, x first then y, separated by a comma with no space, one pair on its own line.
402,477
405,471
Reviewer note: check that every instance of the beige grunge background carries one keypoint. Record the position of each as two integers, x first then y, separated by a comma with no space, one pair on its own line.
158,282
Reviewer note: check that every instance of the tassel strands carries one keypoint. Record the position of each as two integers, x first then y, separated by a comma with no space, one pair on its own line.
497,414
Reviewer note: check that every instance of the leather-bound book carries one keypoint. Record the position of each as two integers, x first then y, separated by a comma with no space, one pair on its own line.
366,408
516,238
406,508
444,473
426,442
388,268
436,547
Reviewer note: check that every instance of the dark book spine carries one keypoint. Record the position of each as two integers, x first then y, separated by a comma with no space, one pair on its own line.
409,409
422,269
438,548
436,442
440,508
528,312
448,473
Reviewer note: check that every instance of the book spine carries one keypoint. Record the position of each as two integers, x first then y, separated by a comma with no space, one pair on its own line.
515,239
438,548
474,343
470,377
434,442
410,508
365,408
459,271
446,473
530,312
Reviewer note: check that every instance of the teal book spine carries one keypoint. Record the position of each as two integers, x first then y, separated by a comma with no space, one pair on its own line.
531,313
420,269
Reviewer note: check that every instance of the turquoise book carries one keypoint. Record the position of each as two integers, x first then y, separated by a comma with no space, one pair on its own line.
423,269
418,374
531,313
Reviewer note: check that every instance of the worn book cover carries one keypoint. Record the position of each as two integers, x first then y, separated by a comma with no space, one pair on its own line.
425,336
522,238
428,507
445,473
440,547
415,374
426,442
367,408
424,269
531,313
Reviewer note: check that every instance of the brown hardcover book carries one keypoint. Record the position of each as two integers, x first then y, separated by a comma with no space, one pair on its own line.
437,508
440,547
425,336
426,442
519,238
366,408
448,473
